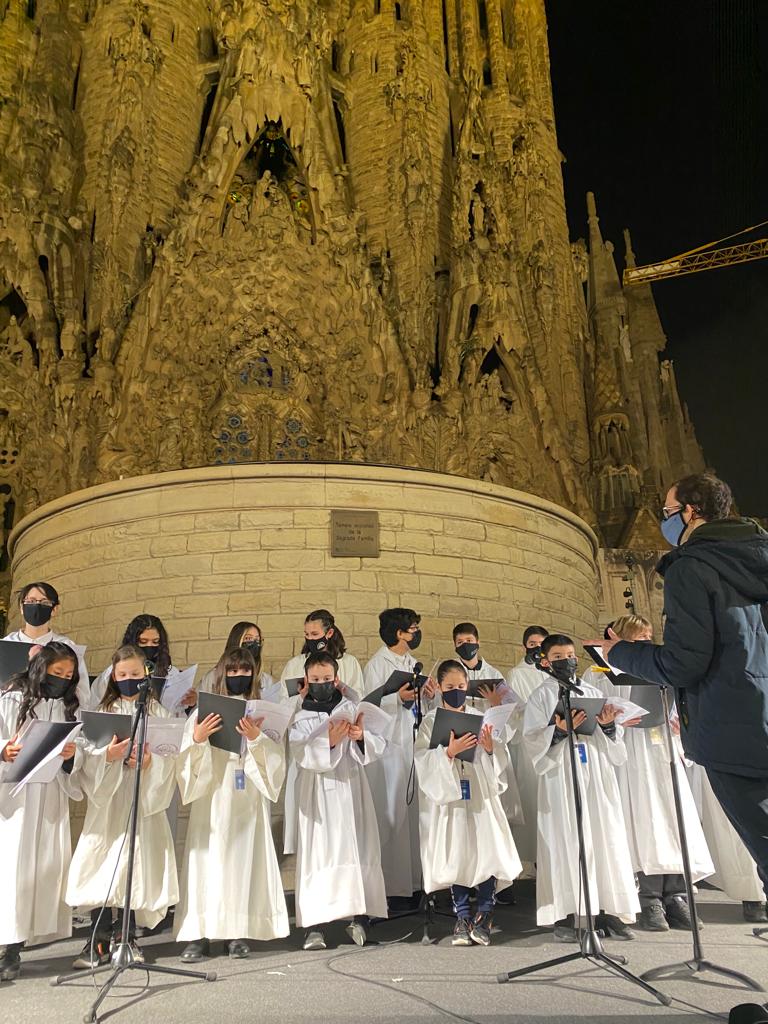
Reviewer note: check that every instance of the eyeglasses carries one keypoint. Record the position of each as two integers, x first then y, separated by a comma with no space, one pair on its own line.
667,513
34,600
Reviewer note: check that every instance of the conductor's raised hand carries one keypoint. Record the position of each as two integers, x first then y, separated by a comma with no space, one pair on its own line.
250,727
608,714
356,730
337,729
206,728
117,749
11,750
406,692
458,746
486,738
605,645
491,694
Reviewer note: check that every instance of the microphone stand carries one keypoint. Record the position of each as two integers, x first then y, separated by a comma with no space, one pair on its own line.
122,957
591,947
697,963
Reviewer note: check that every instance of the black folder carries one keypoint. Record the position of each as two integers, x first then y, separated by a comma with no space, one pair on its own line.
393,684
473,690
648,697
14,658
100,726
592,706
230,710
36,745
459,723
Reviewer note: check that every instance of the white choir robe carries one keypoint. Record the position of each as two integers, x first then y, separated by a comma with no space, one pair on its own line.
230,878
83,682
510,797
735,871
523,680
398,820
109,789
338,862
463,842
645,783
612,880
35,840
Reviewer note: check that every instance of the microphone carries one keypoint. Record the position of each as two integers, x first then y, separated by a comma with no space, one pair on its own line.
417,669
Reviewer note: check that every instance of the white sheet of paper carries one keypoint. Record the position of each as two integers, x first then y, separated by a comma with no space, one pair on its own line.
628,709
616,671
497,718
47,769
177,685
164,735
277,716
375,720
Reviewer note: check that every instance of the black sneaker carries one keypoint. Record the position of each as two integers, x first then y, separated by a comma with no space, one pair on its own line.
754,911
314,939
480,930
614,927
10,964
506,897
238,949
86,961
652,918
461,936
679,913
196,951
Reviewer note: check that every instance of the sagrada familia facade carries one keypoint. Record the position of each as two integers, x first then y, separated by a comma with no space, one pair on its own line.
239,231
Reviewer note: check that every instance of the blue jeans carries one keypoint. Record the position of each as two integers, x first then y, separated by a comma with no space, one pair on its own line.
486,898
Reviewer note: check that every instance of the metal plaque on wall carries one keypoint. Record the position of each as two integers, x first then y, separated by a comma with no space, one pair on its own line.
354,534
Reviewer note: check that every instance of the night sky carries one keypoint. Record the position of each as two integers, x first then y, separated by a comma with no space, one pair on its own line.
662,112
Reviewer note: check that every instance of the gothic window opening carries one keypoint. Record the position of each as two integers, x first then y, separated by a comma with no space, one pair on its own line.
295,445
76,83
374,63
146,29
205,117
335,56
173,33
482,18
31,8
398,12
340,126
206,44
234,442
474,311
491,363
446,43
507,25
487,76
377,6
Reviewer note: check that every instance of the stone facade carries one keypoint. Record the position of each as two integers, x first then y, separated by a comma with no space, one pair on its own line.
205,548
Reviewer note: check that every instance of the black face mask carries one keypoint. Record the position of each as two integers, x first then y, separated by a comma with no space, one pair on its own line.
467,651
415,640
321,693
36,614
252,645
454,698
315,646
533,655
128,687
564,668
54,687
238,685
150,653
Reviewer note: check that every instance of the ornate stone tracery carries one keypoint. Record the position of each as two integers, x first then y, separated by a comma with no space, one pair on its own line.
292,231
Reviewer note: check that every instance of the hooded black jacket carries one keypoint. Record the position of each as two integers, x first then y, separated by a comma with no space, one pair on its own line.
715,651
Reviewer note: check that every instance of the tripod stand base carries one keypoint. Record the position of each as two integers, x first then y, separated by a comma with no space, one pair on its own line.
697,966
600,960
759,932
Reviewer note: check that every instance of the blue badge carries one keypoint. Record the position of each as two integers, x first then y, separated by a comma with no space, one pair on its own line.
465,793
239,778
582,749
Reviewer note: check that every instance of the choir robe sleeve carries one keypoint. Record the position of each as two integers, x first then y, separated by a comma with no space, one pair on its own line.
100,779
354,686
264,765
310,747
9,715
538,733
493,766
372,749
158,782
614,746
194,765
435,771
70,783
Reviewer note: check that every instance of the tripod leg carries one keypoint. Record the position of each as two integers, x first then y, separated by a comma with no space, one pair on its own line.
104,992
511,975
705,965
63,979
628,976
179,972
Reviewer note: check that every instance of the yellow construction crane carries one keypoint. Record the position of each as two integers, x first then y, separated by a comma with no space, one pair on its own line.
706,257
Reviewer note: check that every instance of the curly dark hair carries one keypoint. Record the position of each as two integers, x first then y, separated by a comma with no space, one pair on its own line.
30,683
133,631
711,497
335,645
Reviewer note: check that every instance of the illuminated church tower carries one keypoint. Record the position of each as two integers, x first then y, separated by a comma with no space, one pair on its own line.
311,231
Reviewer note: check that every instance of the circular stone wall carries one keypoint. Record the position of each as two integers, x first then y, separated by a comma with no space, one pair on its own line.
203,548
